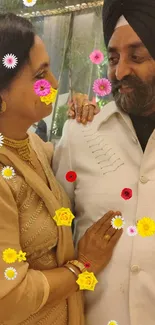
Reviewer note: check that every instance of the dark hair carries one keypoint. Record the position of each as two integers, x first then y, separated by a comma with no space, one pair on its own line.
16,37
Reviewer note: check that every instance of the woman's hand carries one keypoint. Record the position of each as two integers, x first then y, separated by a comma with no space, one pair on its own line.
97,244
82,109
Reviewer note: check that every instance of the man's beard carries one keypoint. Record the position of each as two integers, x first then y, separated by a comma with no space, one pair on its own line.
140,101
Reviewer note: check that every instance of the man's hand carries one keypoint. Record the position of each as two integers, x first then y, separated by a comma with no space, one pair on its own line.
82,109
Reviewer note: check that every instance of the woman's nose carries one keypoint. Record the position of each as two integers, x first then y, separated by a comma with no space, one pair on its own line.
53,81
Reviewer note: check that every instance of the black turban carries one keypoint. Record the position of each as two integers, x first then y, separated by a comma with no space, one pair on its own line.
140,15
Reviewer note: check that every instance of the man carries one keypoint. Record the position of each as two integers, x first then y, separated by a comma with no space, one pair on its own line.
114,152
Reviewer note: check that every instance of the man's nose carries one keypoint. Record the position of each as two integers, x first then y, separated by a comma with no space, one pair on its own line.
123,69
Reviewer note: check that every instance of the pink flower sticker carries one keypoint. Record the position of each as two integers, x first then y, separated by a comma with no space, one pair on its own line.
42,87
132,231
102,87
10,61
96,57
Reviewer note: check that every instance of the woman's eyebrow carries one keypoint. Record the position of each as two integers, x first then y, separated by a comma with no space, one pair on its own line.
42,66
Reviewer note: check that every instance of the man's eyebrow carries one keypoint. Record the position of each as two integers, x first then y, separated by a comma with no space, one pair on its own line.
42,66
134,46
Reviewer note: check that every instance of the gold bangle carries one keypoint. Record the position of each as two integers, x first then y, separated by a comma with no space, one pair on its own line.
78,265
71,269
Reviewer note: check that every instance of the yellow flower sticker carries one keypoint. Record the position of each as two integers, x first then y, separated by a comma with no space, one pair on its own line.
50,98
10,273
8,172
146,227
87,281
21,256
63,217
9,255
112,322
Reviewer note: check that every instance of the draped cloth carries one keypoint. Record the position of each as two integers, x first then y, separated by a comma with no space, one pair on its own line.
140,15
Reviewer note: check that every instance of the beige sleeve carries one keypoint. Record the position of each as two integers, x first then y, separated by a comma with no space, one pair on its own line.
29,291
62,161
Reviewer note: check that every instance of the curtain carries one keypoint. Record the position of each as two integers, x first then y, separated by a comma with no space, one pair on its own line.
69,39
78,73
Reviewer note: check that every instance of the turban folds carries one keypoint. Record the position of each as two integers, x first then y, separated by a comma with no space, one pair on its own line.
140,15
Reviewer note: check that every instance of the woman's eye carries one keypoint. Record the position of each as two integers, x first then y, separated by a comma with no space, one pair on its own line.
41,75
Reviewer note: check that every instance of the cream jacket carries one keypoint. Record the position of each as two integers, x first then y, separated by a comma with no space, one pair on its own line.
107,157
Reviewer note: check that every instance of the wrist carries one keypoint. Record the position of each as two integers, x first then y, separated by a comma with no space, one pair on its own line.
72,269
78,265
87,263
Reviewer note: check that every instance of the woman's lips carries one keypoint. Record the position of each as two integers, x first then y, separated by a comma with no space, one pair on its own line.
125,90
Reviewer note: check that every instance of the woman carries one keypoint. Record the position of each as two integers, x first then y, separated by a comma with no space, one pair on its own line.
38,270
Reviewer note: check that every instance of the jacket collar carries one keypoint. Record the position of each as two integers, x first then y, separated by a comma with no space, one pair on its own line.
108,111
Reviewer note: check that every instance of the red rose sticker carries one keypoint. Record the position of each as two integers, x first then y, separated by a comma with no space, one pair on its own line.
87,265
71,176
126,193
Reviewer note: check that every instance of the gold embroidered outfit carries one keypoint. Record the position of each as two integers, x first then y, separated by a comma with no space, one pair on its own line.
27,204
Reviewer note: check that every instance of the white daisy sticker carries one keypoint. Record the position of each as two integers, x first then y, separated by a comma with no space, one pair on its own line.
117,222
10,61
1,140
10,273
29,3
8,172
132,231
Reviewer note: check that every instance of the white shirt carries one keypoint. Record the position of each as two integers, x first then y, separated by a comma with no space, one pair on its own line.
107,157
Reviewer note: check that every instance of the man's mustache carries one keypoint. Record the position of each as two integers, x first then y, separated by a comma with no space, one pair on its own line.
130,82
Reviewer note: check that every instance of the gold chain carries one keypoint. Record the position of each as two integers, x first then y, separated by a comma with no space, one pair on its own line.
22,147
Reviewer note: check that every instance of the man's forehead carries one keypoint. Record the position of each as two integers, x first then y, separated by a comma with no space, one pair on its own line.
124,37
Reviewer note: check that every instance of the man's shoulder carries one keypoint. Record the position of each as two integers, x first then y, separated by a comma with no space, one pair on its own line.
72,126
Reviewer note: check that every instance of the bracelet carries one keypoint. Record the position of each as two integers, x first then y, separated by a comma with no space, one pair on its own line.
86,280
78,265
71,269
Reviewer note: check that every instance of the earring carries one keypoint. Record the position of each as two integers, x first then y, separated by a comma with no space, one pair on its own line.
3,107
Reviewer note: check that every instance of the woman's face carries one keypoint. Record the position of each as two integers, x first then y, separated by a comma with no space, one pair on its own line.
21,99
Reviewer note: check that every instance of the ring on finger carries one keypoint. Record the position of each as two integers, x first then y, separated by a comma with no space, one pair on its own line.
89,104
106,237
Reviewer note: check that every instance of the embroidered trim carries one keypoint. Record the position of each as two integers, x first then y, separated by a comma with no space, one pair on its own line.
27,202
32,218
21,192
111,161
44,226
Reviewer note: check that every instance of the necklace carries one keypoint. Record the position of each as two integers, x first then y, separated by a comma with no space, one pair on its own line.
22,147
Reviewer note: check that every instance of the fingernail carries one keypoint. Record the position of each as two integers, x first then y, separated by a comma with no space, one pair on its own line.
84,120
